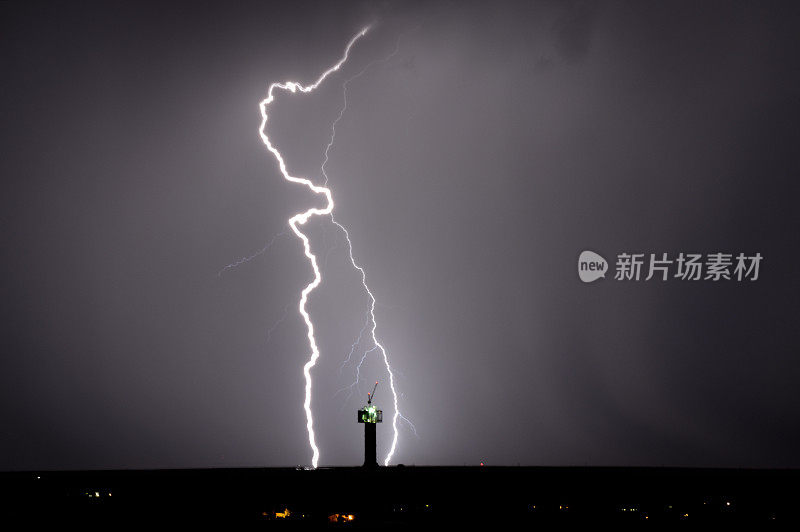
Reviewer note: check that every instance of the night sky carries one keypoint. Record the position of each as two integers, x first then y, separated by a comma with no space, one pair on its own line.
472,168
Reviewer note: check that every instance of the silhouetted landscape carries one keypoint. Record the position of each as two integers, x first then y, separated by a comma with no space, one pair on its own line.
387,496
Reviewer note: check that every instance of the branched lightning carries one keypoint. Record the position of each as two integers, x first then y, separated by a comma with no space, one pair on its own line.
376,344
275,325
355,343
301,218
251,257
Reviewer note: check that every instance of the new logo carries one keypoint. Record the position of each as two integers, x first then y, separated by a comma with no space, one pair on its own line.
591,266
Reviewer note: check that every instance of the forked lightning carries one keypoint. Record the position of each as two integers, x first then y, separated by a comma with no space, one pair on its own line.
300,219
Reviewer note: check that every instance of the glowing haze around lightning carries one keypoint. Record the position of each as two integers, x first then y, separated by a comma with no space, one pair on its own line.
300,219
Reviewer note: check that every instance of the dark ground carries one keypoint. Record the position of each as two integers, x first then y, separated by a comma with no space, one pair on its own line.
401,496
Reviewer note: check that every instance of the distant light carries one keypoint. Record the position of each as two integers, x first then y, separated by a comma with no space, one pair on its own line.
334,518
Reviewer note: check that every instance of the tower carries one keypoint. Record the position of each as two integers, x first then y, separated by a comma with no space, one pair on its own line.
370,416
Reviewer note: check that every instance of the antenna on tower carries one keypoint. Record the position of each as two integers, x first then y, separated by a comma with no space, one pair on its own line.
371,396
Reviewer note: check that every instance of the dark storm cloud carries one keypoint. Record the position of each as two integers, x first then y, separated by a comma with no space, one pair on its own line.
471,169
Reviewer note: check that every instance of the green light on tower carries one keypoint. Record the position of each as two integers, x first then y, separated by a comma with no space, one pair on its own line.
369,416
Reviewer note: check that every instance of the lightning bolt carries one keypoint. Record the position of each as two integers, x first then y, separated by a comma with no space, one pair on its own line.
371,320
300,219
